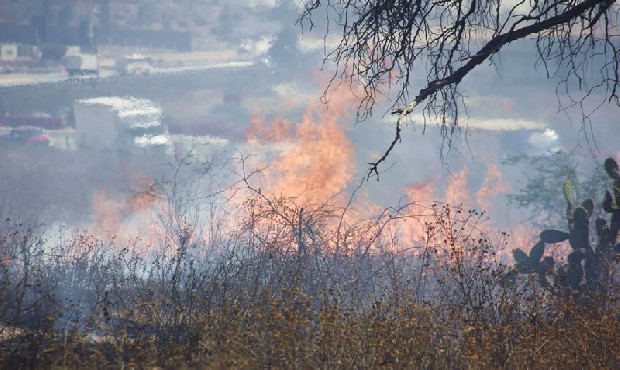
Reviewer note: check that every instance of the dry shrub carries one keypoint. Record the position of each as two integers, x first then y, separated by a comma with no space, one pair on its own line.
290,287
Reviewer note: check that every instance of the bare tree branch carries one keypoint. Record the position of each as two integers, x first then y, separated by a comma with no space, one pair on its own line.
384,41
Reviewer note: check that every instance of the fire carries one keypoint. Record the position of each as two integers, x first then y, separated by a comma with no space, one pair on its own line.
107,213
124,216
491,187
312,160
455,192
302,173
278,130
305,170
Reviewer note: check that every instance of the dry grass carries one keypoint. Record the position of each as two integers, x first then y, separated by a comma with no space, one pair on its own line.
275,335
115,310
276,285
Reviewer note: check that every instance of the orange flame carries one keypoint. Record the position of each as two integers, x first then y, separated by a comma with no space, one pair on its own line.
124,216
491,187
454,192
312,160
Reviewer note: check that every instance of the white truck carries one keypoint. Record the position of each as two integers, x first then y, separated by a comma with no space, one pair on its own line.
78,63
120,124
135,64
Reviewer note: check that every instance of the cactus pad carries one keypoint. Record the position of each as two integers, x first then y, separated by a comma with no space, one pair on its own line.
553,236
611,166
520,256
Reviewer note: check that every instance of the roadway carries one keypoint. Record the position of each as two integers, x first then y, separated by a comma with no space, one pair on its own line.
46,79
52,93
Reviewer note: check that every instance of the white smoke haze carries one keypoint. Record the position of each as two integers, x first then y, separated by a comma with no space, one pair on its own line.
495,124
311,43
513,110
263,3
546,142
259,46
264,192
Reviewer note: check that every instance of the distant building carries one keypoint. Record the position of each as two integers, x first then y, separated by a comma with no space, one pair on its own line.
12,51
8,52
39,32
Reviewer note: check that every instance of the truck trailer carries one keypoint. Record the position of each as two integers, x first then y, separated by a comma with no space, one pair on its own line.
120,124
79,63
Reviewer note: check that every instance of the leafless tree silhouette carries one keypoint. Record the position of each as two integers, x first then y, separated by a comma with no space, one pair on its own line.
384,42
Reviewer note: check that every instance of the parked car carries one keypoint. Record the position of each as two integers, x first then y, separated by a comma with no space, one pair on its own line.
30,134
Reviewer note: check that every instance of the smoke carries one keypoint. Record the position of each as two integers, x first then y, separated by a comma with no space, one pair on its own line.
480,123
318,158
544,142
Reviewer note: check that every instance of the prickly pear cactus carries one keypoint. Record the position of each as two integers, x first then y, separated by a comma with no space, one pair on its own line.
611,204
587,268
531,262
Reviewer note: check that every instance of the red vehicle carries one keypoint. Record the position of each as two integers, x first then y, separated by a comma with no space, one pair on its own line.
30,134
